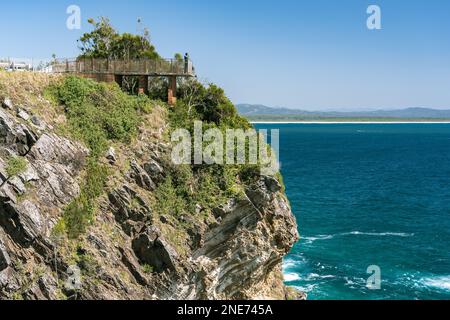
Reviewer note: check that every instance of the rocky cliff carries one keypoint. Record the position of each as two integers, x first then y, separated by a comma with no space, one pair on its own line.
130,250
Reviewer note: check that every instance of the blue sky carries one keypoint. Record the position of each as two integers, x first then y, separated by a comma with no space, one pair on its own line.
316,55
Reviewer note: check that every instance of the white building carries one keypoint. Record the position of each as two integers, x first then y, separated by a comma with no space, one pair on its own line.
15,65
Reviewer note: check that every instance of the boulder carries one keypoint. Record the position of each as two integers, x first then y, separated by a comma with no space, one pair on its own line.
7,103
111,155
152,249
154,170
55,149
8,281
16,136
5,260
129,260
29,219
18,185
130,210
38,123
141,177
272,184
21,113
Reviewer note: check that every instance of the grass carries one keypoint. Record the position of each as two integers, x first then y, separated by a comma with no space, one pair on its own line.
29,89
147,268
209,186
25,88
99,114
16,166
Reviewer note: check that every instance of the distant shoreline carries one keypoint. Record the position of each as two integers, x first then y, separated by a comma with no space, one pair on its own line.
350,122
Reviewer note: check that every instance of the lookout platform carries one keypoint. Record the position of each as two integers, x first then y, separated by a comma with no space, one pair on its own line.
107,70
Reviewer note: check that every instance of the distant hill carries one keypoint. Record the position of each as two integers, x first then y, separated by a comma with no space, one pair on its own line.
261,111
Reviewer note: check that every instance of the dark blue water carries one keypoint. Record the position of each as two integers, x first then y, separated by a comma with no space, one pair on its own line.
368,194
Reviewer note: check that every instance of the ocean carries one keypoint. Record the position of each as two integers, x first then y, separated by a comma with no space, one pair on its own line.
368,195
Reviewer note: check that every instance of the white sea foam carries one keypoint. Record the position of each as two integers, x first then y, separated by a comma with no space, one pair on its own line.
380,234
315,276
289,277
319,237
294,261
311,239
288,264
307,288
439,282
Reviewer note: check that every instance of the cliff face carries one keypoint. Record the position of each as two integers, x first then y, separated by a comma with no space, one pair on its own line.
130,250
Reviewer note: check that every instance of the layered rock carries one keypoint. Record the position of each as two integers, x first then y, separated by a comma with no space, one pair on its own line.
240,258
130,251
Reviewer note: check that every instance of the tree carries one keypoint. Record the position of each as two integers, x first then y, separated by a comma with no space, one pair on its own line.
210,103
191,92
98,43
105,42
178,57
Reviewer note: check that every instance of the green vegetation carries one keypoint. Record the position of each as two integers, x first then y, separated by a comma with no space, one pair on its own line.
97,114
100,112
205,103
16,166
208,186
186,187
105,42
59,230
80,212
147,268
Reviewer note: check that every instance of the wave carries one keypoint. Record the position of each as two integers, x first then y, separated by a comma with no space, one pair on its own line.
307,288
289,264
319,237
439,282
380,234
315,276
294,262
289,277
310,240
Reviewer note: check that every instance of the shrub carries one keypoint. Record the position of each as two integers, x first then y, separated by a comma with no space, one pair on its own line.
16,166
249,174
208,104
59,230
169,201
147,268
98,112
77,216
80,212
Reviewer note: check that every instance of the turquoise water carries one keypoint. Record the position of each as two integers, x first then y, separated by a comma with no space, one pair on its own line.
368,194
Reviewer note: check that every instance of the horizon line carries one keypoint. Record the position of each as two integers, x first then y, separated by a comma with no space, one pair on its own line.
337,109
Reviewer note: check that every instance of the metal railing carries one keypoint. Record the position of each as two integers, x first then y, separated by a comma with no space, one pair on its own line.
162,67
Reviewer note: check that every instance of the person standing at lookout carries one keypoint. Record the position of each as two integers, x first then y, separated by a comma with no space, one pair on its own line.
186,62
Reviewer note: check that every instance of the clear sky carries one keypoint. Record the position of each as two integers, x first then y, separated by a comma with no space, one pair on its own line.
315,54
